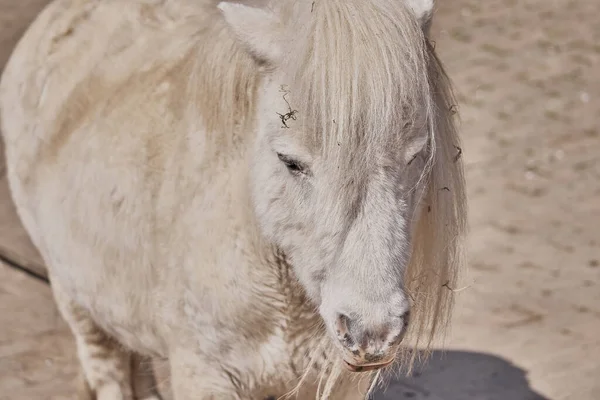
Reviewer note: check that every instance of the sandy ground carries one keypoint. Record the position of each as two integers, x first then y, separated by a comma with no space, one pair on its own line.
527,326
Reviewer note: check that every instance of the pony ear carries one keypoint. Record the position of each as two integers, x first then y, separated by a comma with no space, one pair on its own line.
423,9
259,30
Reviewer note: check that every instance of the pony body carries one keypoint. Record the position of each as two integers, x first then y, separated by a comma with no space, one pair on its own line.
135,137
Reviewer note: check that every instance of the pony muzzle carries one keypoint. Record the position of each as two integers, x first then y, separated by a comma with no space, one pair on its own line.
369,348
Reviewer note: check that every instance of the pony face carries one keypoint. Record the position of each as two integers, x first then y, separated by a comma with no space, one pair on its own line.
343,158
344,220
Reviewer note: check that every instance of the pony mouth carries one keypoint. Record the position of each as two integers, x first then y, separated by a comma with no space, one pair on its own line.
368,367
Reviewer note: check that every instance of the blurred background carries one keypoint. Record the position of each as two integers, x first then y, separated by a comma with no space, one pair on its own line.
527,322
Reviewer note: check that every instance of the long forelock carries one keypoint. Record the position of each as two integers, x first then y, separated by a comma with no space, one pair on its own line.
359,74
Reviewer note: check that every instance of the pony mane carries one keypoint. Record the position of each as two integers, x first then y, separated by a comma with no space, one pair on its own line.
364,75
438,246
358,72
225,97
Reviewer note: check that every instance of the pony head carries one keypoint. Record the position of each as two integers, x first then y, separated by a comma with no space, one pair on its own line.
354,172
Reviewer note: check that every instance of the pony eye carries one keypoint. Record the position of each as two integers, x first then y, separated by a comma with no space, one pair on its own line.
295,167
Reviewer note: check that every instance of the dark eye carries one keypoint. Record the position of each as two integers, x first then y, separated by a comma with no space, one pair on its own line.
295,167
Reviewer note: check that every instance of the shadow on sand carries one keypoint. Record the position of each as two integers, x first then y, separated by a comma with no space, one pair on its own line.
460,375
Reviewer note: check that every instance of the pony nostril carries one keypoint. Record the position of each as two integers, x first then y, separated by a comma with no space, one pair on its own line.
405,320
402,328
342,325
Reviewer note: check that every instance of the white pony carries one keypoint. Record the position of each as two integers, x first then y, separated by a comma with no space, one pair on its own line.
257,193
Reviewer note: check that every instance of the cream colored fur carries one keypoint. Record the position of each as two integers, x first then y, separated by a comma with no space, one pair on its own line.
142,142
